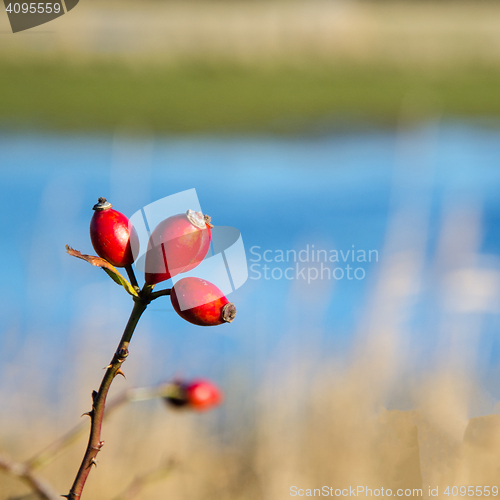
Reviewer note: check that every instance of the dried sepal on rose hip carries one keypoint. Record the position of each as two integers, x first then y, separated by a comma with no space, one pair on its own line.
201,302
112,235
177,245
198,395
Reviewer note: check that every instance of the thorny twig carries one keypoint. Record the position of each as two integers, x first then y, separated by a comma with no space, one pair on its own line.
25,471
142,298
96,414
48,454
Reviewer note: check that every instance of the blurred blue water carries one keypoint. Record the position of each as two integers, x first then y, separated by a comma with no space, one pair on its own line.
333,191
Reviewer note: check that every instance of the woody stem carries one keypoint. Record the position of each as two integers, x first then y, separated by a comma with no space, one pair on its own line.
99,398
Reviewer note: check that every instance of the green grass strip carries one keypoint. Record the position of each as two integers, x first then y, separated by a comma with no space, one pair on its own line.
222,98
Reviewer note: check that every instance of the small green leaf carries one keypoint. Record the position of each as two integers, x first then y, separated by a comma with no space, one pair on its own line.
118,278
108,268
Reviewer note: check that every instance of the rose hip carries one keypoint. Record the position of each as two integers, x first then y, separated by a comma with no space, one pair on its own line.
199,395
112,235
201,302
177,245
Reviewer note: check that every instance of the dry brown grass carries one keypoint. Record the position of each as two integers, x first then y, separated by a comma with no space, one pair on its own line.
309,427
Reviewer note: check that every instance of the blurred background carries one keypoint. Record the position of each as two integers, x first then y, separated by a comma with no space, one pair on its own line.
343,126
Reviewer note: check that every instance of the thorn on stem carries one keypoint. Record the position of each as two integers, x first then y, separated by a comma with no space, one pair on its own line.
88,413
119,372
108,367
93,461
94,396
99,446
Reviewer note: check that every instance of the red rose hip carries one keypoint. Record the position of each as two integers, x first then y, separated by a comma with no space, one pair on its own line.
199,395
112,235
201,302
177,245
203,395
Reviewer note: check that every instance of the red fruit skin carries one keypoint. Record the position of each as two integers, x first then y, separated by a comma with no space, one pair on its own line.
202,395
112,236
175,246
200,302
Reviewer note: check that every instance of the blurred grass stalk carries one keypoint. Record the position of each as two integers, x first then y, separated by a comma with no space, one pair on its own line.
277,66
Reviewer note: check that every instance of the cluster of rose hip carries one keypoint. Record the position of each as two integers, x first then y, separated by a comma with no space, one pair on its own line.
177,245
